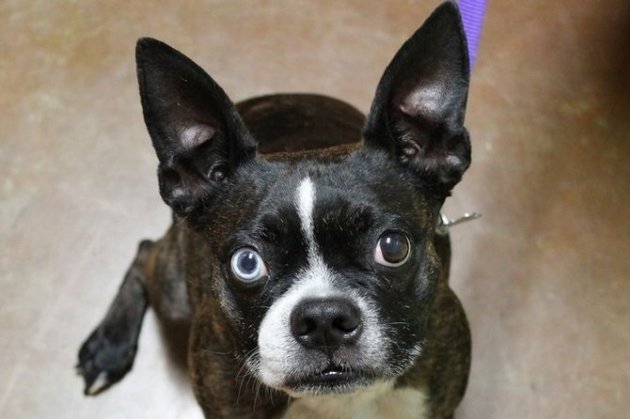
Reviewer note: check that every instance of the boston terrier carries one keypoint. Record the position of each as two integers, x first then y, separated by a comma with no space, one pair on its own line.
307,252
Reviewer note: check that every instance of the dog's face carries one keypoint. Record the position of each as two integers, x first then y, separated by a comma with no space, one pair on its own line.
322,271
329,275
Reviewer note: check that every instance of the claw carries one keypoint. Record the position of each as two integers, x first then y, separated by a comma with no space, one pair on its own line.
98,384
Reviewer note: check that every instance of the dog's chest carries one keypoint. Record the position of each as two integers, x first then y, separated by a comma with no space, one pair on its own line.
379,402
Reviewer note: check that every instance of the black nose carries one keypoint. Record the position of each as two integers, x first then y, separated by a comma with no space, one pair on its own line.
326,324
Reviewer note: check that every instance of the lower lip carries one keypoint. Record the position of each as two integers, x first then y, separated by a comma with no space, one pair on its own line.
330,380
331,376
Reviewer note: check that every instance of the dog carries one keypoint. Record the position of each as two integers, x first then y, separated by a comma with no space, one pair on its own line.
307,251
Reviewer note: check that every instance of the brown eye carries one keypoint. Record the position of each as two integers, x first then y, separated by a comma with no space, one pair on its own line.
392,249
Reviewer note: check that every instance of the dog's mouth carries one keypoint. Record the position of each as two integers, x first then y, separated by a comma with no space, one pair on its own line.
332,379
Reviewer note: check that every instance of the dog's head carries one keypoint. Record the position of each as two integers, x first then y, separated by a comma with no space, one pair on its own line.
323,271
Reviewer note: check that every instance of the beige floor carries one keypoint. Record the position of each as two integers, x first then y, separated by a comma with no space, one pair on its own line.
544,275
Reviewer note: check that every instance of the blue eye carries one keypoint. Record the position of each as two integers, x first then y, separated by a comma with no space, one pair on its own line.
247,265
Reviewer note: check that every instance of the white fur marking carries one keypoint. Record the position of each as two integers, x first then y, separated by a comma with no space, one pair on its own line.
317,270
305,202
378,401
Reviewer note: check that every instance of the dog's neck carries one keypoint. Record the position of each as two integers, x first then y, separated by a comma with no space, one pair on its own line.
381,400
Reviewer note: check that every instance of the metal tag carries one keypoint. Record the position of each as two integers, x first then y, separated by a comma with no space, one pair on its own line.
444,223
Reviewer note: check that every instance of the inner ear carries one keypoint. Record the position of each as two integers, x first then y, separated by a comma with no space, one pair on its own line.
196,131
194,135
419,107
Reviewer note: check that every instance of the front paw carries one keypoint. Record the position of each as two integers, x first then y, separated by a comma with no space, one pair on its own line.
103,362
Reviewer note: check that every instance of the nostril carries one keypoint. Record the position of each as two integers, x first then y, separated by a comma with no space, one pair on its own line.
305,326
345,324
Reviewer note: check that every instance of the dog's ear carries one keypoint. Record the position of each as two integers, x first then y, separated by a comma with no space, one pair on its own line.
198,135
418,111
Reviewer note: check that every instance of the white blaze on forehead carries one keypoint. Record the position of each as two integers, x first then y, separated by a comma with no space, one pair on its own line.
316,271
305,196
305,202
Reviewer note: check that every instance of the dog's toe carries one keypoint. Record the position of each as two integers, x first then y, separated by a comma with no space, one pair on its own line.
103,362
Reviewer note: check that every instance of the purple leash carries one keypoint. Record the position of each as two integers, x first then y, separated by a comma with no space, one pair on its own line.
472,12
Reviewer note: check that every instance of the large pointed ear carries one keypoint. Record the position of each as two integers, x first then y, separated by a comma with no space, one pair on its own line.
198,135
418,111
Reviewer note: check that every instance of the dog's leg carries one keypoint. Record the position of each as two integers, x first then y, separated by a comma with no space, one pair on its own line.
108,353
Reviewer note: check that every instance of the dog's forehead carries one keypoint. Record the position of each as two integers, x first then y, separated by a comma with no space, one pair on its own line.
308,193
339,196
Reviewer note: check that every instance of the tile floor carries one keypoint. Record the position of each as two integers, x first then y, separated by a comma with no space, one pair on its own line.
544,275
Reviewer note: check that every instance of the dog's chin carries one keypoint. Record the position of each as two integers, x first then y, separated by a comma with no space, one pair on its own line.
317,377
333,379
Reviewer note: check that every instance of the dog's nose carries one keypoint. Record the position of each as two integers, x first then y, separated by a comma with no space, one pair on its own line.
326,324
